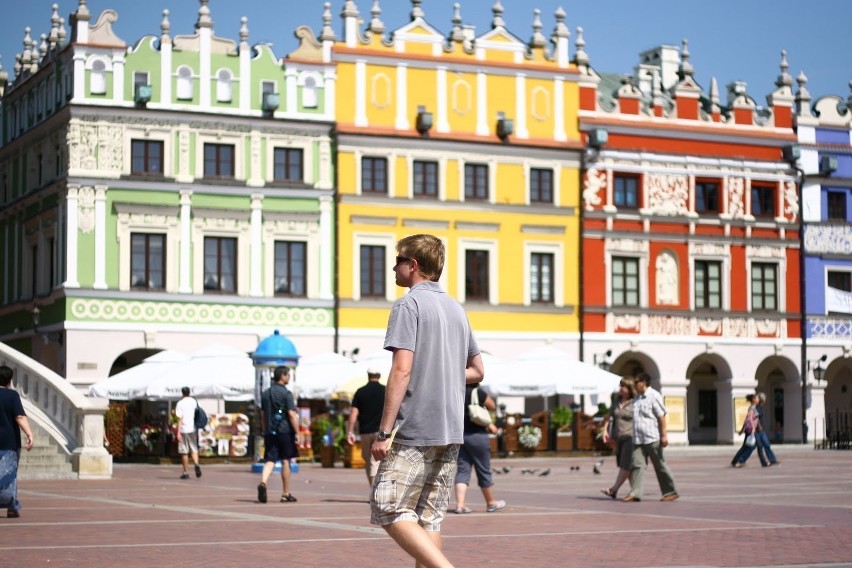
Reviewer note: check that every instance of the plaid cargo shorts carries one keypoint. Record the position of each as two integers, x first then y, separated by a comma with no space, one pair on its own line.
414,484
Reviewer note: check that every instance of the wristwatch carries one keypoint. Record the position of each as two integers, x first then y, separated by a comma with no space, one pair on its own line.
382,435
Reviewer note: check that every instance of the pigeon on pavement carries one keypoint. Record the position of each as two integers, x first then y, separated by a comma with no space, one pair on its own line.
544,473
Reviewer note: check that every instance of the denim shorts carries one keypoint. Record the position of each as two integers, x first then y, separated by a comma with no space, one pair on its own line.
414,484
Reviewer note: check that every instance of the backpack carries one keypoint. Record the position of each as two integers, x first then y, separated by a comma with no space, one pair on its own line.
200,417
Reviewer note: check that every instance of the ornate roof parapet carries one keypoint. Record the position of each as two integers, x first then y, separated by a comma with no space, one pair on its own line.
377,26
581,58
659,103
781,100
849,98
350,16
80,23
560,37
537,41
416,10
327,33
244,34
457,34
629,96
497,21
4,80
741,104
62,33
165,27
803,97
715,103
53,38
686,92
204,19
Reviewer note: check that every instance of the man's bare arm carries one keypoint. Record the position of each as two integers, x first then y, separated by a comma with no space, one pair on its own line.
475,371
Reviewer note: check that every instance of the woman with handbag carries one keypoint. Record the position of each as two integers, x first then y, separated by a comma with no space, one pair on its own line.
621,433
750,426
475,453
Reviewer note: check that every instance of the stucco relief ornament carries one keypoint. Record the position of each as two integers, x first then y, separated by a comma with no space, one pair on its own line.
594,183
736,197
668,194
667,279
791,201
86,209
708,325
627,322
767,327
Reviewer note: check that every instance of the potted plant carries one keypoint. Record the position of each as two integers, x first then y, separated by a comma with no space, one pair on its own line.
562,422
321,427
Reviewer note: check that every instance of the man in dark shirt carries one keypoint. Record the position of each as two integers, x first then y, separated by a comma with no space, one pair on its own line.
13,419
367,406
280,422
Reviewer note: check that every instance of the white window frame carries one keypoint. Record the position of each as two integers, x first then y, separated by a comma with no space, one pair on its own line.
490,245
491,164
303,144
373,239
828,269
540,165
441,160
308,233
643,257
185,83
222,138
211,226
725,261
310,83
558,276
97,77
138,133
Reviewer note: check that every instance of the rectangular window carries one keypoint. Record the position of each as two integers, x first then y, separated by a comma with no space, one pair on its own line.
425,179
475,182
290,268
707,413
139,78
840,280
625,281
708,284
764,286
762,200
266,87
625,191
541,277
220,265
541,185
147,261
146,157
706,197
836,205
219,161
374,175
476,275
373,271
288,164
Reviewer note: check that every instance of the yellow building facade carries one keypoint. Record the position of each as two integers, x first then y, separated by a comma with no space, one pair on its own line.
473,139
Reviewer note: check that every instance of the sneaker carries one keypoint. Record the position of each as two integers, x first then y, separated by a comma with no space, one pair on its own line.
261,493
12,514
184,475
197,470
496,506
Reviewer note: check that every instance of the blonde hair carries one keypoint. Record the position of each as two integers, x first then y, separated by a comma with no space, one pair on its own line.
629,383
428,250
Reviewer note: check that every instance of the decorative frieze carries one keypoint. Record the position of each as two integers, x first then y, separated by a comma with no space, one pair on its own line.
791,201
765,251
828,239
830,328
708,249
685,326
185,313
86,209
593,186
668,194
736,197
627,245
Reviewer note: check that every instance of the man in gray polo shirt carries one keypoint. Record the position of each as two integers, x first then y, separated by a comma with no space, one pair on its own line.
434,355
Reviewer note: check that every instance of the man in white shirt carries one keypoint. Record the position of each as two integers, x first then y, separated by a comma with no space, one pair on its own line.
187,435
649,439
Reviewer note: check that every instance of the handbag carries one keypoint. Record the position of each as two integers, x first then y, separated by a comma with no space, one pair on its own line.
479,415
750,441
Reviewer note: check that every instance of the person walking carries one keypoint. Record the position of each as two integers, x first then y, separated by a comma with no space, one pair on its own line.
649,439
280,422
187,435
366,412
475,454
13,420
434,355
748,430
621,419
764,447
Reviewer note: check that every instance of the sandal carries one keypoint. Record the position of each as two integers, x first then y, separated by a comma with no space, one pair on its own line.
609,492
289,497
462,510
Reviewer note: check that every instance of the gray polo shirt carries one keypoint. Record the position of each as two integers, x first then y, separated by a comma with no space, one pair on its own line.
434,326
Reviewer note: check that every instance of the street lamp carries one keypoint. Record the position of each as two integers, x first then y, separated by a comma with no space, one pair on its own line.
816,367
600,360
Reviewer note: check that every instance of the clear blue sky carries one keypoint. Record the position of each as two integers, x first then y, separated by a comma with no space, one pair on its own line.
728,39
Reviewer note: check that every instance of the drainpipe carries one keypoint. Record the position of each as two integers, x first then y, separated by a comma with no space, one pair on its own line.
803,319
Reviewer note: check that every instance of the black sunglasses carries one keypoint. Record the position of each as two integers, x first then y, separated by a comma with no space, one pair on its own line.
402,259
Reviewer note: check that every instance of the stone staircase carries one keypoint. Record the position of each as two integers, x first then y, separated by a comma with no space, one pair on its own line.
47,460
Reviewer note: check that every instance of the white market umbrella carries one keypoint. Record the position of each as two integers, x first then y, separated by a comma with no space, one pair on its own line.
123,385
216,371
379,360
318,375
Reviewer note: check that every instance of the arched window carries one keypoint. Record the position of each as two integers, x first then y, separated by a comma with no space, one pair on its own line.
184,83
224,90
309,93
98,78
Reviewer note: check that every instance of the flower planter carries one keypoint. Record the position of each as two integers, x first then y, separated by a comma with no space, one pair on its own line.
327,456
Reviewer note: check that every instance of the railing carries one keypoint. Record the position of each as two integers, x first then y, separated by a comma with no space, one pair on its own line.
75,422
837,434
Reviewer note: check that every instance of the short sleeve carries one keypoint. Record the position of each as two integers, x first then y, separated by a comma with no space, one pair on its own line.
402,328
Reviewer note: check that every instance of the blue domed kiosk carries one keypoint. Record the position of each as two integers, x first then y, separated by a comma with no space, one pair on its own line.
274,351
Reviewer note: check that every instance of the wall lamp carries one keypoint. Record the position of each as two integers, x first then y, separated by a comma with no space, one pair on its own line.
46,336
505,126
598,137
352,353
816,367
424,121
601,360
827,165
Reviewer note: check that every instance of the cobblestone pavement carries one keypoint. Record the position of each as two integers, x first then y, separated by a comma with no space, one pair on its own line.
796,514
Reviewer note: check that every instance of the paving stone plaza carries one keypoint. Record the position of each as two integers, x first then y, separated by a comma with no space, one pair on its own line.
796,514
